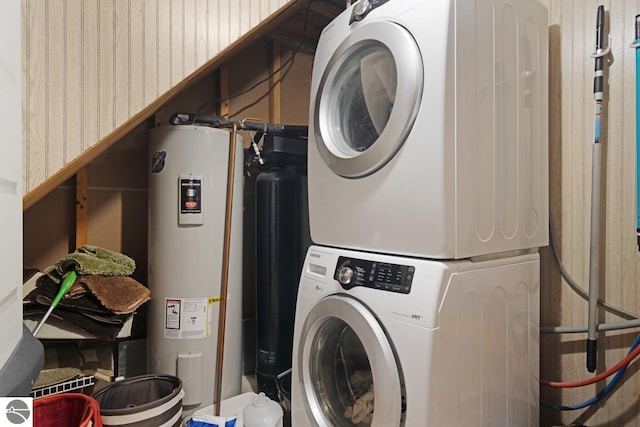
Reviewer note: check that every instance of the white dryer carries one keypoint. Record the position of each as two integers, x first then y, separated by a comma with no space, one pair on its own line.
388,341
428,128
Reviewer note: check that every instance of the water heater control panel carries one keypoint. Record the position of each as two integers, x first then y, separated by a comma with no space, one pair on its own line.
352,272
190,189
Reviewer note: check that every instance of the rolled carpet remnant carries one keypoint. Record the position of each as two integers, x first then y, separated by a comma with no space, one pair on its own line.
48,377
89,325
91,259
120,295
86,313
117,294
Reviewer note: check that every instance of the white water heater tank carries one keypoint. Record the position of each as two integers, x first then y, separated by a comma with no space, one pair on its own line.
187,199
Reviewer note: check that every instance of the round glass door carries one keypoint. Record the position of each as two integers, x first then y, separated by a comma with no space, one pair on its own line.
368,99
344,356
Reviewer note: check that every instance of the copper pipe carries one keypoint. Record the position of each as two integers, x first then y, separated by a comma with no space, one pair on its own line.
217,396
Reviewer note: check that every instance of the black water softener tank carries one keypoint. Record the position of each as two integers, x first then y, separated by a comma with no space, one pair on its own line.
281,240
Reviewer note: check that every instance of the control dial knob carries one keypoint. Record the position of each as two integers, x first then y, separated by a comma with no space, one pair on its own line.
361,9
345,275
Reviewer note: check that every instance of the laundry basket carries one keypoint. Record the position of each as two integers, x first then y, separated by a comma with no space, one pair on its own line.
66,409
143,401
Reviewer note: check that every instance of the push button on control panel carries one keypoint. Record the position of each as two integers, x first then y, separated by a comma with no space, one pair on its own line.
351,272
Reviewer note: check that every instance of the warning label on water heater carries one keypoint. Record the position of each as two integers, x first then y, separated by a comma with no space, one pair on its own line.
185,318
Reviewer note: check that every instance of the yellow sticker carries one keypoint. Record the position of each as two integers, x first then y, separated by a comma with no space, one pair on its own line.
214,299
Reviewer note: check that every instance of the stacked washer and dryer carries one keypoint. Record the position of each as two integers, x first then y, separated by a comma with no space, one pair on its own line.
418,304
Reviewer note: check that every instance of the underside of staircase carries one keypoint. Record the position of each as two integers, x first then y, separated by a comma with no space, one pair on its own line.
133,57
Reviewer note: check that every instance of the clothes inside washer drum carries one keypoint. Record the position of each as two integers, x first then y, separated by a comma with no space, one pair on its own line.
360,412
143,401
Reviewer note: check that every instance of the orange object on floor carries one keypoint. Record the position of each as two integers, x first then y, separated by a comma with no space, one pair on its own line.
66,410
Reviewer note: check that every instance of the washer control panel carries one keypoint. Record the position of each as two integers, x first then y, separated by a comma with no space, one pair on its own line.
352,272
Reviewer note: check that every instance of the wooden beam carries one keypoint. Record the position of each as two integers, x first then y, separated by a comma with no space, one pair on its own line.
274,82
82,208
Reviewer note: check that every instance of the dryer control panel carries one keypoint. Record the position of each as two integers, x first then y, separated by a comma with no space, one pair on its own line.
352,272
362,8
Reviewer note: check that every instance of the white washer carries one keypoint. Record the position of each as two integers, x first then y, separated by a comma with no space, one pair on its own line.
428,128
439,343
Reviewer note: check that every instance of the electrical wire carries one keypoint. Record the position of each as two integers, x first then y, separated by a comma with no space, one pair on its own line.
264,95
608,388
273,73
623,363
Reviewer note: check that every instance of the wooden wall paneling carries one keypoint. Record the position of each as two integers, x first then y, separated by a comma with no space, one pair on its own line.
273,3
122,71
575,198
224,28
136,51
254,16
105,92
150,50
92,65
55,65
177,41
73,80
572,37
568,351
214,27
89,114
164,57
234,20
106,67
25,87
35,105
551,284
190,40
264,10
246,15
201,31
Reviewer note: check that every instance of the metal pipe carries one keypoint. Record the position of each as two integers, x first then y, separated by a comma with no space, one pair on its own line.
602,327
594,252
225,269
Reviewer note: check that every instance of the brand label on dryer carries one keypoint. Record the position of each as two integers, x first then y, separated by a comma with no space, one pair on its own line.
352,272
413,317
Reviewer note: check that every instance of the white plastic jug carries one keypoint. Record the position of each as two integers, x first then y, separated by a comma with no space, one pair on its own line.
263,412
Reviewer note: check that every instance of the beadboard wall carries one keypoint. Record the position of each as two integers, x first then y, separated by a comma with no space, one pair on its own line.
90,65
572,40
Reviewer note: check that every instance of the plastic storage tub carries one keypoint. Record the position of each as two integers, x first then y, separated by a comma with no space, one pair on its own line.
143,401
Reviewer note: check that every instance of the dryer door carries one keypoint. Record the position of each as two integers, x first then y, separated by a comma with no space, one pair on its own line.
348,368
368,98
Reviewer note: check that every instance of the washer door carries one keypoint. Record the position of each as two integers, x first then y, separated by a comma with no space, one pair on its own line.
348,368
368,98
